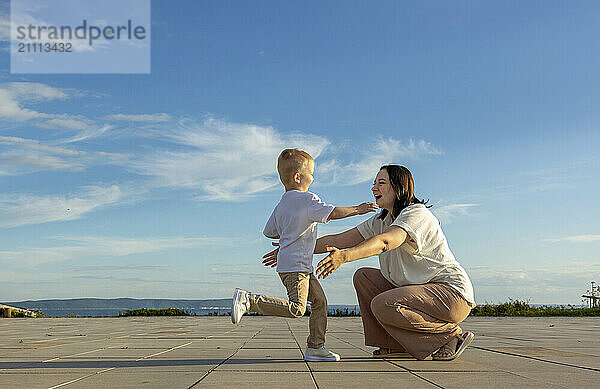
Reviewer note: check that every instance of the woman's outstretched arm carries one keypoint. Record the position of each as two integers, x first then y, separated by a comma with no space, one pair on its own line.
342,240
389,240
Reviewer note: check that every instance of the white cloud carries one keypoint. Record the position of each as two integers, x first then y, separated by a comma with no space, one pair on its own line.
446,213
100,246
23,156
23,209
575,239
27,163
128,267
554,283
10,109
156,117
34,92
371,158
220,160
225,161
4,28
127,246
14,95
33,144
68,123
91,132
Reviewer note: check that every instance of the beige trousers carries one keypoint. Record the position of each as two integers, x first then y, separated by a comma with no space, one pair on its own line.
418,319
300,288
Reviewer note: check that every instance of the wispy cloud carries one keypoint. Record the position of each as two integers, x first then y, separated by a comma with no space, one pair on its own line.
14,95
102,246
23,156
133,267
4,28
220,160
39,162
89,133
446,213
33,144
23,209
127,246
34,92
70,123
151,118
10,107
575,239
226,161
371,158
554,283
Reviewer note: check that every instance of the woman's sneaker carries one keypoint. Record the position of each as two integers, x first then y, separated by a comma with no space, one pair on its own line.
240,305
320,355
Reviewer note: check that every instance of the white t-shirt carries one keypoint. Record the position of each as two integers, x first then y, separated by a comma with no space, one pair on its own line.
428,259
295,220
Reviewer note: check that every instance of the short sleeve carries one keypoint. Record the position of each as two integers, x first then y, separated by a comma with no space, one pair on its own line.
318,211
415,221
366,228
270,230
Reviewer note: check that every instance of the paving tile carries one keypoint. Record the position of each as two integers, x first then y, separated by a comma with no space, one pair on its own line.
266,360
133,378
29,380
252,379
370,380
355,364
500,380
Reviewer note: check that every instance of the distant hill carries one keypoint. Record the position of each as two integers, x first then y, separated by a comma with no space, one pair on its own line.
93,304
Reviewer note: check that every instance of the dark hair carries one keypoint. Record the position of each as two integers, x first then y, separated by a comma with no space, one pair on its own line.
402,182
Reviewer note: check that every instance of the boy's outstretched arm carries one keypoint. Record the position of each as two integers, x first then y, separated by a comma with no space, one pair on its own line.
342,212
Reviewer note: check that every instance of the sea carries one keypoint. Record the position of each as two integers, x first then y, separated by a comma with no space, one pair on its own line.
206,311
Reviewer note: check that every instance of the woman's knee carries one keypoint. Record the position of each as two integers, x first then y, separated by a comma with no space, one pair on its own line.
361,275
358,275
458,315
379,306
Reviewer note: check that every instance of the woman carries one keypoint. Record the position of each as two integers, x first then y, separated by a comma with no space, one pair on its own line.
415,301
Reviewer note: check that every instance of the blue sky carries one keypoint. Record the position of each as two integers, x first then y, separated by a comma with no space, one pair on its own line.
158,185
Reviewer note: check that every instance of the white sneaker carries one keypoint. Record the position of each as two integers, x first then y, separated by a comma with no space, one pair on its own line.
239,305
320,355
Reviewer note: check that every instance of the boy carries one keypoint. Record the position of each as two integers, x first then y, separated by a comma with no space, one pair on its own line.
294,223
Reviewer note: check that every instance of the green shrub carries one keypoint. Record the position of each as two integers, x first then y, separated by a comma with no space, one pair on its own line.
522,308
343,313
154,312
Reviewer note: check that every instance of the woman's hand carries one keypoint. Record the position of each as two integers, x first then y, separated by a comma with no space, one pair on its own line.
330,263
366,208
270,258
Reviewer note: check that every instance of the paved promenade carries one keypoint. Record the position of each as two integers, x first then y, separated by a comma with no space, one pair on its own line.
210,352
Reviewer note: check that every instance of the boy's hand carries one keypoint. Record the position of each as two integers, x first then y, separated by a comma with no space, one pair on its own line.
367,207
270,258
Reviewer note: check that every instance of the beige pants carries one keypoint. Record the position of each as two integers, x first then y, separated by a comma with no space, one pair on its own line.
300,288
418,319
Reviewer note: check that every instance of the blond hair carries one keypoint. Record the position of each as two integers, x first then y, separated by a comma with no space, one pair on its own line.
291,161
